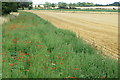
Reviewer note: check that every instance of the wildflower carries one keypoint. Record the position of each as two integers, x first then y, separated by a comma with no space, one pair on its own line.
40,45
22,54
48,51
15,63
28,59
24,61
26,69
61,63
73,77
38,42
62,55
20,51
58,57
54,63
11,64
104,76
75,68
3,60
46,67
26,54
62,59
18,59
66,77
54,68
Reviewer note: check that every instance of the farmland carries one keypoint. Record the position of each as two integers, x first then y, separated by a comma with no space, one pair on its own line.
35,48
98,28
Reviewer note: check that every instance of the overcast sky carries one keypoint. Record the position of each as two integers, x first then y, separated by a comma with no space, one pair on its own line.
75,1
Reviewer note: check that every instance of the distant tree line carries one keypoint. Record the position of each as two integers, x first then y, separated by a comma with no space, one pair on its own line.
8,7
64,5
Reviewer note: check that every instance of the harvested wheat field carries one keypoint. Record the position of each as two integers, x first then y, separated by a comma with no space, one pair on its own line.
97,28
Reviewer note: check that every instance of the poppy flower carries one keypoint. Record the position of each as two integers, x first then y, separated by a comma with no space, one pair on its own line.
46,67
54,63
54,68
26,54
58,57
18,59
11,64
24,61
3,60
61,63
22,54
62,59
15,63
73,77
104,76
38,42
75,68
26,69
62,55
28,59
48,51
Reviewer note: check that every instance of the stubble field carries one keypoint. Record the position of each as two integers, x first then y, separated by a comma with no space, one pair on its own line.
98,28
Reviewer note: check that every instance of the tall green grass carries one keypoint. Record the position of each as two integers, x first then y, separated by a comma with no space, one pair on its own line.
34,48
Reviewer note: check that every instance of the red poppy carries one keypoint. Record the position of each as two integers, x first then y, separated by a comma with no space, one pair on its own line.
15,63
3,60
46,67
26,54
73,77
26,69
24,61
40,45
66,77
58,57
61,63
38,42
54,68
48,51
11,64
54,63
22,54
75,68
104,76
18,59
20,51
28,59
62,59
62,55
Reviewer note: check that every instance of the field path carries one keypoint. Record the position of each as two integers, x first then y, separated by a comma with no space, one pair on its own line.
98,28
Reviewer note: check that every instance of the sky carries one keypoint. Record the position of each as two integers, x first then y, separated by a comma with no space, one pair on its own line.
75,1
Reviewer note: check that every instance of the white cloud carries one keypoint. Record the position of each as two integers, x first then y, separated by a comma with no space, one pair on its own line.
75,1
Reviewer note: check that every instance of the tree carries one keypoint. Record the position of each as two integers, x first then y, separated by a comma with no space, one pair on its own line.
62,5
47,5
25,5
53,5
72,6
8,7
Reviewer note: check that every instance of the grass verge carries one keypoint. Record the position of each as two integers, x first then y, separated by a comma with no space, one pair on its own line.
34,48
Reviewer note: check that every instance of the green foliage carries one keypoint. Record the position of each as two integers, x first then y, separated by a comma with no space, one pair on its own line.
62,5
34,48
8,7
